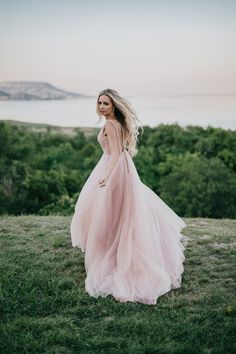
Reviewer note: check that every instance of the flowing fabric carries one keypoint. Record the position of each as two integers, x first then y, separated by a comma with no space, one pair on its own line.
132,240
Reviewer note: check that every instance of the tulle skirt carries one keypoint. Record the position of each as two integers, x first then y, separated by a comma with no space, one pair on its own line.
132,240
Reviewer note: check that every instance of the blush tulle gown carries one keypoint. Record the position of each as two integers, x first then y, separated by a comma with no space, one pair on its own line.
132,240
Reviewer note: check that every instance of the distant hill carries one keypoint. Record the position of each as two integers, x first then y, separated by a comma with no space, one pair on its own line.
30,90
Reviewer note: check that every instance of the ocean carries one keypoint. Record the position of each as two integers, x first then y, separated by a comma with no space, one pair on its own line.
216,111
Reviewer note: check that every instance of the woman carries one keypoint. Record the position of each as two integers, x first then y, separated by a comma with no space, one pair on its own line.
131,238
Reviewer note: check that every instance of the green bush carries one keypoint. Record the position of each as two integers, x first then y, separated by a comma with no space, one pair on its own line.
192,168
200,187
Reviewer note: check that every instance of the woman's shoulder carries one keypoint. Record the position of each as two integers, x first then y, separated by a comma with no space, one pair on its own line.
115,121
112,126
112,122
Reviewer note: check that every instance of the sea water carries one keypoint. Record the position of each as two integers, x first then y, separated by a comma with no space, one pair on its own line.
216,111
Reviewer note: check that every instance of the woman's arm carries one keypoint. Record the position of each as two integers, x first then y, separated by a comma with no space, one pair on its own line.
112,163
114,148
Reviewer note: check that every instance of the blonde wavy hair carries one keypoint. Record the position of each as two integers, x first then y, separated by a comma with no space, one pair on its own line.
126,116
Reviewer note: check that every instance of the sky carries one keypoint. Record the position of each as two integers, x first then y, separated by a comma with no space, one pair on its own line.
137,47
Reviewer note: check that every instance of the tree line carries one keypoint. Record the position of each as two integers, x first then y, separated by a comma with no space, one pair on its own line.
193,169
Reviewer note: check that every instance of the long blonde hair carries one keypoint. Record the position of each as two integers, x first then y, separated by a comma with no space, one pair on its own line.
127,117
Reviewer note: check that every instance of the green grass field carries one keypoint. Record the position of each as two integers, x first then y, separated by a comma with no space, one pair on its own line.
45,309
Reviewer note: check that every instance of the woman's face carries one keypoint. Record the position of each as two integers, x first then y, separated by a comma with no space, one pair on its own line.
105,105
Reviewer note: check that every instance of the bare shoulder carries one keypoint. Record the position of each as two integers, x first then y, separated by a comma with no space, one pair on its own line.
110,125
112,122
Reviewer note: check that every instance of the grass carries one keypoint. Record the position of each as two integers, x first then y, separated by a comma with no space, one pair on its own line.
45,309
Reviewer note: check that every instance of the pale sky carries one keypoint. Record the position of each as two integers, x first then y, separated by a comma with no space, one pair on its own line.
133,46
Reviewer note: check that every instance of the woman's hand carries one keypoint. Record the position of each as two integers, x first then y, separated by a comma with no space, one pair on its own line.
102,182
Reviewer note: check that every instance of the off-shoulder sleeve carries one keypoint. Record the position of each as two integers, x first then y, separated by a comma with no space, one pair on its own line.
113,137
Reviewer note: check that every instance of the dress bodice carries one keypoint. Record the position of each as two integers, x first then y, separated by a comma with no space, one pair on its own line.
115,141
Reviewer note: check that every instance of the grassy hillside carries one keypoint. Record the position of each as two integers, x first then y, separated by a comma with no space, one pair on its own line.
44,307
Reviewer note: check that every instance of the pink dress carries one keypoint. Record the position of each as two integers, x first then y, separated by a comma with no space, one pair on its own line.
132,240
